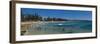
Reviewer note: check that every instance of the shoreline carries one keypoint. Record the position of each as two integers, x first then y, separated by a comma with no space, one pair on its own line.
26,25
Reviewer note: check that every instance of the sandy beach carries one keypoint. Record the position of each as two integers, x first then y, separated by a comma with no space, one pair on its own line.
26,25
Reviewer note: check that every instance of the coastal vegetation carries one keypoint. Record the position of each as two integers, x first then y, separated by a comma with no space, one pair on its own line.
37,17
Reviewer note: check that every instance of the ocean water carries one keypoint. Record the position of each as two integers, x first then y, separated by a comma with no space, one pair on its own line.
60,27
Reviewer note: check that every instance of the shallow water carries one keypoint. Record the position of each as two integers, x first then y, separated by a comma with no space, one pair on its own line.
60,27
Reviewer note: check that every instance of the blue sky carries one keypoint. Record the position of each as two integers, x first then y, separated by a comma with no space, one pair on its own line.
67,14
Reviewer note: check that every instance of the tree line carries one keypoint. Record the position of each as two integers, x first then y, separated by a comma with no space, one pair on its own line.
36,17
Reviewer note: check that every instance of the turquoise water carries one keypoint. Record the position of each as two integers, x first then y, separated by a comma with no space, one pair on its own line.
60,27
72,24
